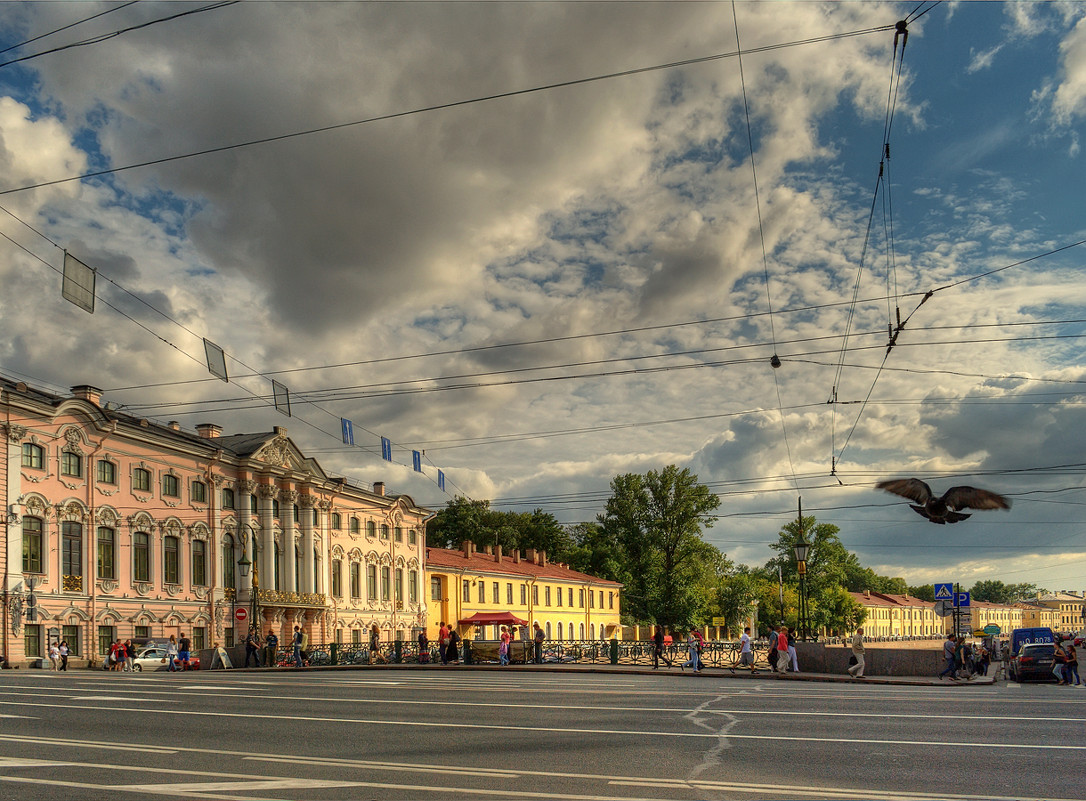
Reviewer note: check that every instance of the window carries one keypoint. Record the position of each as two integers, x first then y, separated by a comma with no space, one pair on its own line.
398,586
228,637
33,456
494,592
70,635
571,604
254,505
227,498
106,636
580,599
601,599
295,513
275,508
318,583
548,629
32,639
32,542
466,591
547,595
435,588
107,472
199,638
141,480
558,590
384,531
278,566
371,528
385,582
523,594
107,546
509,593
412,537
591,601
229,577
356,636
199,492
482,591
71,553
141,556
610,600
71,464
371,582
199,563
170,571
397,534
354,526
337,578
297,568
314,520
535,595
413,586
337,522
356,580
171,487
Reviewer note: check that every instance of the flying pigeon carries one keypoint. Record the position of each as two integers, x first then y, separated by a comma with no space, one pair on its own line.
945,509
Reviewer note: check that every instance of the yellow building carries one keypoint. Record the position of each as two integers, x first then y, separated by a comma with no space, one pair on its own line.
982,614
1068,607
890,615
1036,615
568,605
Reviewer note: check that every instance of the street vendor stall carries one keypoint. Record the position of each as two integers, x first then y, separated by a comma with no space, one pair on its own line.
520,650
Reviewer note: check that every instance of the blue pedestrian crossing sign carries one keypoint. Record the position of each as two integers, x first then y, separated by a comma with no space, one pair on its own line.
944,592
962,599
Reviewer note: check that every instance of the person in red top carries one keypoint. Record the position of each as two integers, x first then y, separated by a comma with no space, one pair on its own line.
443,642
503,649
784,659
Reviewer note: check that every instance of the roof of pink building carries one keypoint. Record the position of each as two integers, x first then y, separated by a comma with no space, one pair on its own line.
488,563
888,599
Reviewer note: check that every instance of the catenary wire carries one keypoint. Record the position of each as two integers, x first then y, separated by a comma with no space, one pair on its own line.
66,27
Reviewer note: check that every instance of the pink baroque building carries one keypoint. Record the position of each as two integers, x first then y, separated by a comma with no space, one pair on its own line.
119,528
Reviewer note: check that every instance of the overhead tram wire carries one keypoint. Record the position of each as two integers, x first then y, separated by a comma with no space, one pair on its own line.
68,26
775,361
447,105
93,40
897,60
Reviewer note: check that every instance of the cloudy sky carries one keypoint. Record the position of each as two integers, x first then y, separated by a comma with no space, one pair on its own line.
526,245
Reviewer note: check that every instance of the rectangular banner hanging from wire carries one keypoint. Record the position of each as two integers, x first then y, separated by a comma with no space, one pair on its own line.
78,284
416,461
216,360
347,428
282,397
386,449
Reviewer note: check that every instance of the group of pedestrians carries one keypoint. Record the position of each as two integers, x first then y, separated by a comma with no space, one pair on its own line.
58,654
1065,664
962,660
782,650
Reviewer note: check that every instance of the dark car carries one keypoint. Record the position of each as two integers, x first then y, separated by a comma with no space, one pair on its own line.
1033,661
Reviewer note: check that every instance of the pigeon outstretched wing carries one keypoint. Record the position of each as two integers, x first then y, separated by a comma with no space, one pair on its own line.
912,488
974,498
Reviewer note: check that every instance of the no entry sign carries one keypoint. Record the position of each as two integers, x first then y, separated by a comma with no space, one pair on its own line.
240,614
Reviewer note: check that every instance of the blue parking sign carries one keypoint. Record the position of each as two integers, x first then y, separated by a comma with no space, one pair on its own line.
944,592
962,599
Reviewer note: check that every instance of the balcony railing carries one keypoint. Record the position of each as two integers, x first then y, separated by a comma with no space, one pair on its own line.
280,598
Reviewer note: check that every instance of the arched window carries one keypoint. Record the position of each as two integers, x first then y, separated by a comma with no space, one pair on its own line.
107,472
199,492
33,456
548,629
384,531
278,566
371,528
71,464
171,487
354,526
71,553
227,498
316,570
580,631
107,546
561,628
141,479
199,563
371,582
229,576
275,508
385,582
356,580
141,556
337,521
337,578
32,544
170,560
297,568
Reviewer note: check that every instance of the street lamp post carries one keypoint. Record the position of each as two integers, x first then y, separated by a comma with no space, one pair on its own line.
802,549
244,563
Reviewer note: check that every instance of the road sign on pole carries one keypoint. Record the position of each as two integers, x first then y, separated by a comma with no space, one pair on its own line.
963,599
944,592
240,614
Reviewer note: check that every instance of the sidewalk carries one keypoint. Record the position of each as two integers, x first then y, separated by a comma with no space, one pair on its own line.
646,670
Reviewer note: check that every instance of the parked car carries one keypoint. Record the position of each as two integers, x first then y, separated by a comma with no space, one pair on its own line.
151,659
1033,661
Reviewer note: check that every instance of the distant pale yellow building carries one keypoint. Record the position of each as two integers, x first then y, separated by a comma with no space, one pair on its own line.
568,605
1069,608
1037,615
982,614
890,615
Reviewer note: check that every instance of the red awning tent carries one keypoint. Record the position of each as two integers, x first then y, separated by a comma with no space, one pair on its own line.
487,618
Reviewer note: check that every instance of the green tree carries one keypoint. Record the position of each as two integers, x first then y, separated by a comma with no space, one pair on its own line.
923,592
657,519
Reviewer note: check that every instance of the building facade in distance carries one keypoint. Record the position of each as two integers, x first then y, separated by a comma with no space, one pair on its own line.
125,528
568,605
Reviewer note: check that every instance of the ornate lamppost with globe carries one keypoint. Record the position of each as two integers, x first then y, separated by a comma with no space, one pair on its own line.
802,549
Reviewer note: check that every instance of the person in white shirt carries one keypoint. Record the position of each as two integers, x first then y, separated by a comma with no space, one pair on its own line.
857,670
746,654
54,655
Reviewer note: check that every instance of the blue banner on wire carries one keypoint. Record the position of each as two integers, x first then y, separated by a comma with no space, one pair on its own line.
416,461
386,449
348,430
440,481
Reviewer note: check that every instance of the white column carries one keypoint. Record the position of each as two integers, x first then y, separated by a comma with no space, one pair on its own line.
307,503
287,499
265,494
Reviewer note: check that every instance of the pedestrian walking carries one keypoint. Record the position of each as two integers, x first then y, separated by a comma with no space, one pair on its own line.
452,653
658,649
375,645
171,654
54,655
746,654
537,639
792,652
63,648
949,646
503,647
116,662
297,642
252,647
183,646
443,643
129,656
271,649
857,670
1059,664
783,658
771,653
424,648
691,651
1071,667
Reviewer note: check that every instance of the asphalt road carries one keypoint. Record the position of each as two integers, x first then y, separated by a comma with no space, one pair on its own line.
434,733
